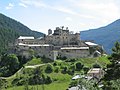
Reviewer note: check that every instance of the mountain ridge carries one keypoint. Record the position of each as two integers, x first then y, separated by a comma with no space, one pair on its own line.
105,36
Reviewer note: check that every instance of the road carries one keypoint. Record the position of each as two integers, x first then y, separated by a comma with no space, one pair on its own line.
34,66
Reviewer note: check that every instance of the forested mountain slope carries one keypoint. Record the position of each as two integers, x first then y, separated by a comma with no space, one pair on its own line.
11,29
105,36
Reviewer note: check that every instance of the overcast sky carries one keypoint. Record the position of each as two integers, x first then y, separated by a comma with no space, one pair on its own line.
78,15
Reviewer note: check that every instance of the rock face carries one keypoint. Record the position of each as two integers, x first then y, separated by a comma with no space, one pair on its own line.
105,36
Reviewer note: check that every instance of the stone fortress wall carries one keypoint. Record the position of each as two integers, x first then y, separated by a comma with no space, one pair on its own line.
61,42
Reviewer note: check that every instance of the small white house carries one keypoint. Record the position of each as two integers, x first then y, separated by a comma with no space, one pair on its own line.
97,73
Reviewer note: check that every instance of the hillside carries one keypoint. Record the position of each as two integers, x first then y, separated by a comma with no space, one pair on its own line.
55,74
10,29
105,36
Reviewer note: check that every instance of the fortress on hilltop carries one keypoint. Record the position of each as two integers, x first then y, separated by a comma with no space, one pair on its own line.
61,43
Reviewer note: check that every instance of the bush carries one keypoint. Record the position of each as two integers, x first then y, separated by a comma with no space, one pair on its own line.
72,67
78,66
54,64
71,72
48,80
34,80
2,84
96,65
49,68
85,69
57,68
64,71
73,83
62,58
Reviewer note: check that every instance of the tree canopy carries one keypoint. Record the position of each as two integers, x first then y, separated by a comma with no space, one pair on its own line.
9,64
113,69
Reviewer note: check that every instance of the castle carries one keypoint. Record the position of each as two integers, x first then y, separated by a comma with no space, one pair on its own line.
60,43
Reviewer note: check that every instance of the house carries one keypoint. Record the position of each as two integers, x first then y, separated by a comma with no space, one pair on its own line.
95,73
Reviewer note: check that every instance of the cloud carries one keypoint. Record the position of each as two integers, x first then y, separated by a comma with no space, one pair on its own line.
98,8
10,6
35,3
65,10
23,5
68,18
60,8
83,9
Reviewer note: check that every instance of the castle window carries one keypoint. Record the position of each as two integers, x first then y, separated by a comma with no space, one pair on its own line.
67,51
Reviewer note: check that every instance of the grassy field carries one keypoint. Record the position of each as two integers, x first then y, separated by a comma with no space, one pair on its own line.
102,61
86,61
52,86
34,61
62,83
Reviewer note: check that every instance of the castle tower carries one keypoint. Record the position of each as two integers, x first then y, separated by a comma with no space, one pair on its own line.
49,31
78,38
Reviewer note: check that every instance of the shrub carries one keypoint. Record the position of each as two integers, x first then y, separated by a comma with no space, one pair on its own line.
54,64
64,71
48,80
71,72
78,66
96,65
57,68
34,80
49,68
20,82
85,69
73,83
62,58
72,67
2,84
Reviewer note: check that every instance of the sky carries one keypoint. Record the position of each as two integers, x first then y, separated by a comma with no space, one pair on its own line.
77,15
